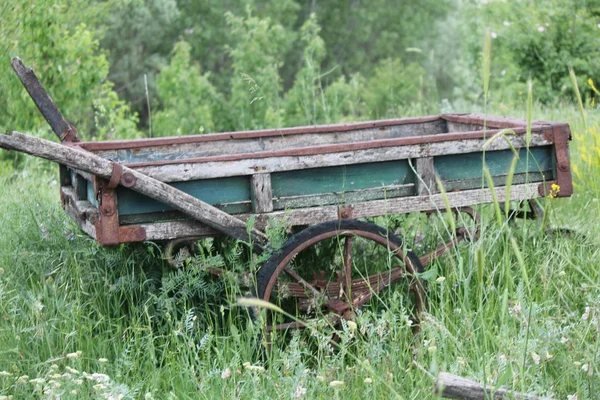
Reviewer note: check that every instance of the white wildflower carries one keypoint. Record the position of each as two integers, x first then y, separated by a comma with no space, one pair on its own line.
585,367
573,396
352,326
336,383
226,373
368,380
251,367
100,386
74,392
440,279
71,370
39,381
299,392
549,356
506,23
148,396
586,314
103,360
23,379
494,35
541,29
564,340
76,354
5,373
536,357
100,378
54,367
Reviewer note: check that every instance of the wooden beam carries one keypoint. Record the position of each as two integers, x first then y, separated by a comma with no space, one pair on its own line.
455,387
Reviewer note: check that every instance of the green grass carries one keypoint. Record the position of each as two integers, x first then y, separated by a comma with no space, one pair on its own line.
516,308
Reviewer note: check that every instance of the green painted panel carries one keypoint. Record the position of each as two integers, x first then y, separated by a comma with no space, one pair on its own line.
212,191
341,179
469,165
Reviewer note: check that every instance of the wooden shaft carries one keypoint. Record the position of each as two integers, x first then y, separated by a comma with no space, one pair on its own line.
63,129
456,387
75,157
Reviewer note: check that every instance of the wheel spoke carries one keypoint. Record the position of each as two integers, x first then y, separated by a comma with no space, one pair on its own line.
347,273
294,275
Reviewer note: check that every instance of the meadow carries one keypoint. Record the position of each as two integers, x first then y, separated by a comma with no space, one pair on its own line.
517,308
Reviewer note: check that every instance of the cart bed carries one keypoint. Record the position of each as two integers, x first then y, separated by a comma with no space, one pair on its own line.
314,174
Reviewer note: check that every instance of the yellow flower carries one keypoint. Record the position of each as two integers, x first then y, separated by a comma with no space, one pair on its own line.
554,191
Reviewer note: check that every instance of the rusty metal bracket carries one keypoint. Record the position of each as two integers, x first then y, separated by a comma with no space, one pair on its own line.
345,212
560,135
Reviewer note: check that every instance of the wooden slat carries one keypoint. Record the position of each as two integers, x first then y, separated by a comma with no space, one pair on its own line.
340,198
217,169
262,195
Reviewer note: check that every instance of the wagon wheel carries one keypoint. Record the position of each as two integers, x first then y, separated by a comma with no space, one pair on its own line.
331,269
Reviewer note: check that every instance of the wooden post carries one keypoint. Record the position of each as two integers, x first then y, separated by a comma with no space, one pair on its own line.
75,157
262,195
455,387
426,181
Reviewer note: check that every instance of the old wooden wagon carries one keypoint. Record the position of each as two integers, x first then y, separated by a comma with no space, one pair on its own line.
329,178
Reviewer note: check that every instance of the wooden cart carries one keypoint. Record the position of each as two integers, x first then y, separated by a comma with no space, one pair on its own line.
327,177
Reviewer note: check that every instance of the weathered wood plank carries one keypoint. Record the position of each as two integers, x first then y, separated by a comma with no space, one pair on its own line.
82,212
403,205
498,180
426,183
262,194
177,229
183,151
78,158
456,387
216,169
349,197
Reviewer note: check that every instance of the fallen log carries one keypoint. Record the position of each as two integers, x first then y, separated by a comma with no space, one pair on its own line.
456,387
75,157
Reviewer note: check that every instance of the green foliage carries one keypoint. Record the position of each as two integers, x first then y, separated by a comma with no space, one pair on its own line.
393,86
190,102
258,53
541,41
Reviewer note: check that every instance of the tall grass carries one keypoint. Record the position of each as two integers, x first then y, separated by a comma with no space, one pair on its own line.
516,308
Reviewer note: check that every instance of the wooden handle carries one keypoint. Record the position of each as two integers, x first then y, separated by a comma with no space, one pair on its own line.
63,129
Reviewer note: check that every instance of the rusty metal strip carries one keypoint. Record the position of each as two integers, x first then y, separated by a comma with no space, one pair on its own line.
491,121
107,226
165,141
115,178
333,148
560,135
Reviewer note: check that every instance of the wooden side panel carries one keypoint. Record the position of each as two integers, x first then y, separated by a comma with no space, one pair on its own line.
233,145
538,161
216,192
341,179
